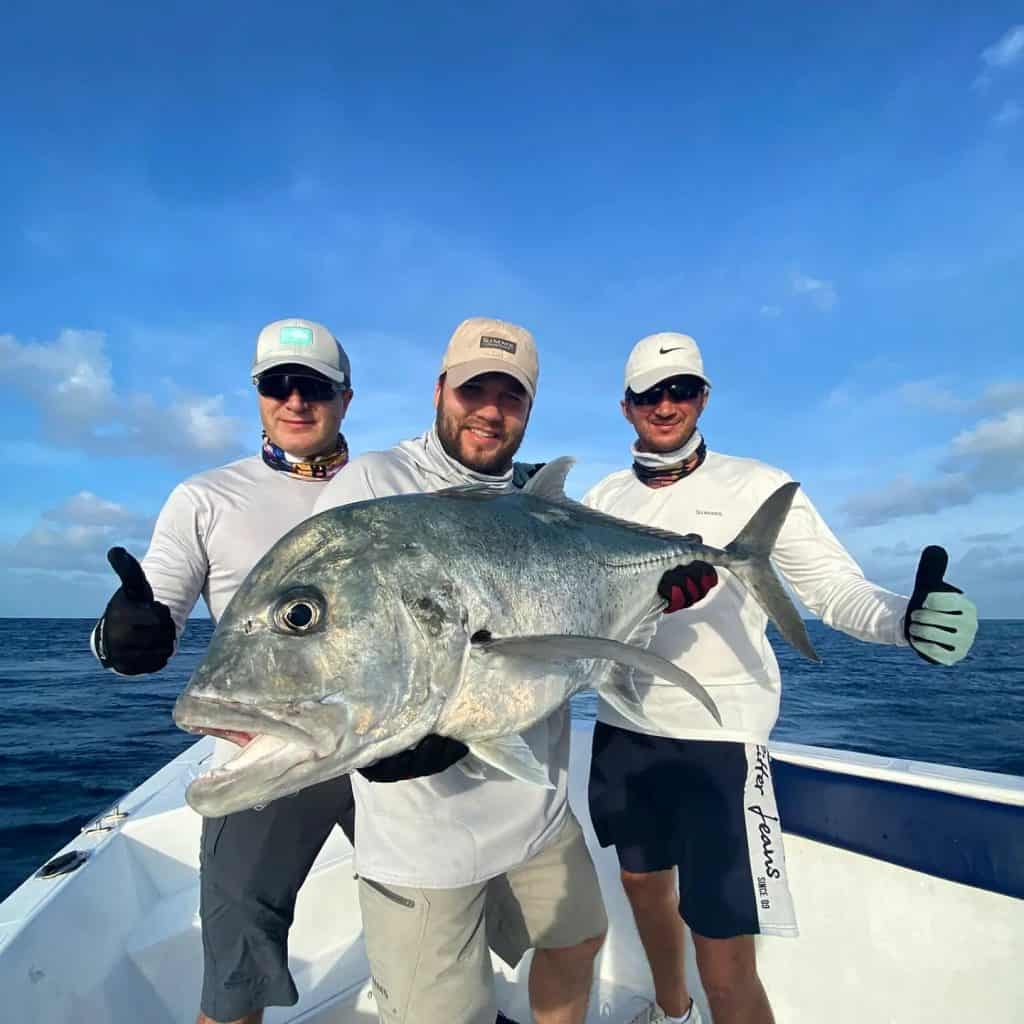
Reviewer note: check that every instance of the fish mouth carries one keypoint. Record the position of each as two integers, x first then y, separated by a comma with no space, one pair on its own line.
278,758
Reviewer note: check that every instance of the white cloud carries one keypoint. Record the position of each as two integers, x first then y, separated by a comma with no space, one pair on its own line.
987,458
1008,113
988,538
70,381
1007,50
1007,394
74,537
821,293
1004,53
70,378
992,437
907,497
86,509
771,311
931,394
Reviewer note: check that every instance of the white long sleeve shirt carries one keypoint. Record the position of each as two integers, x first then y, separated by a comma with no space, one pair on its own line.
216,526
721,640
448,830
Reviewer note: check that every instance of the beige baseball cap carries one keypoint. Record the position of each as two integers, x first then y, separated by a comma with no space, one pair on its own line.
482,345
305,343
660,356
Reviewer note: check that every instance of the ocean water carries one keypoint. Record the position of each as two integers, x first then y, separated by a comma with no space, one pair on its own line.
74,738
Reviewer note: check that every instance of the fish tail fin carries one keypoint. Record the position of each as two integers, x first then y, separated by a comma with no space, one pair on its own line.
749,559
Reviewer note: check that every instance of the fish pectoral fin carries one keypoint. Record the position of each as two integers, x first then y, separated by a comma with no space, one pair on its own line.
512,755
558,647
626,704
472,767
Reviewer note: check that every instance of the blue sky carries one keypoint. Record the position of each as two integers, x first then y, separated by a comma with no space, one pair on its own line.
830,198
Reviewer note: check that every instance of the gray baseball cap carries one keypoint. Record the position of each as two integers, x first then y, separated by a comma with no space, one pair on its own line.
302,343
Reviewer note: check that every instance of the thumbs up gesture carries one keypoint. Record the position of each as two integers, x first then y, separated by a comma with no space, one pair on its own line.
940,623
136,633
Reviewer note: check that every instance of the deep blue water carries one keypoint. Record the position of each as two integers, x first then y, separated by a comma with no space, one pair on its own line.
74,738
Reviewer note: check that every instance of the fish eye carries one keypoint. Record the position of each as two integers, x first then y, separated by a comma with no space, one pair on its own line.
299,614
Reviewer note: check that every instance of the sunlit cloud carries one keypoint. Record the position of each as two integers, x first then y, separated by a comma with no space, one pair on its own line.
822,294
70,382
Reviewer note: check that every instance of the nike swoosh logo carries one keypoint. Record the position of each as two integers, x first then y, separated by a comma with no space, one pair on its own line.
665,351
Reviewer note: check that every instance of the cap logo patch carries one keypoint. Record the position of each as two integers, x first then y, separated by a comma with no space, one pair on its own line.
502,343
665,351
296,336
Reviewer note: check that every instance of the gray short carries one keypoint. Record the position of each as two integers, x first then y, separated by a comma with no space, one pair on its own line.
428,948
251,867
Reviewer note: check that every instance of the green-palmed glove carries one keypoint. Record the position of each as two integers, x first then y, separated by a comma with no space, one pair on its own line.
940,623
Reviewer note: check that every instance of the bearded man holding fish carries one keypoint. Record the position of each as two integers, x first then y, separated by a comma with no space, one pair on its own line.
451,863
689,805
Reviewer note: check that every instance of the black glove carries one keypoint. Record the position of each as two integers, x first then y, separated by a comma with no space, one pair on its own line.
685,585
136,633
431,755
940,623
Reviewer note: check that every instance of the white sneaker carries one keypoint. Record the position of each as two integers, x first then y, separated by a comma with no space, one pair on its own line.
652,1013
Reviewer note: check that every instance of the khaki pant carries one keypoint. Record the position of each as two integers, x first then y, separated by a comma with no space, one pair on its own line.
428,948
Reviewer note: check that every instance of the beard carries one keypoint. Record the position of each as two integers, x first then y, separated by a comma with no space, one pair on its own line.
451,433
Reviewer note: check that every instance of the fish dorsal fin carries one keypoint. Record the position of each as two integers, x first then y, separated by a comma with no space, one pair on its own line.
549,481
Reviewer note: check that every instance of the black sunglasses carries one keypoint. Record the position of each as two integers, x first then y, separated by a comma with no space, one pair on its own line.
683,389
310,389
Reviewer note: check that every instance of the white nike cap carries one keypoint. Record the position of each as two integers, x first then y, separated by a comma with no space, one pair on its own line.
660,356
303,343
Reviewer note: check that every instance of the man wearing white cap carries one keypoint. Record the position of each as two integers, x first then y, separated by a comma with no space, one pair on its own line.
692,806
213,528
450,863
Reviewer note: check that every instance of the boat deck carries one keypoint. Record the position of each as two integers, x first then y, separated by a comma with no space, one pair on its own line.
879,941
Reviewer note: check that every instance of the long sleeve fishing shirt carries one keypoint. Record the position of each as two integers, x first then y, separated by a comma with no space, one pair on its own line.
721,640
216,526
448,830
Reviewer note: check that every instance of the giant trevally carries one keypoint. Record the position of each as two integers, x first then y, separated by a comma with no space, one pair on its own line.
461,612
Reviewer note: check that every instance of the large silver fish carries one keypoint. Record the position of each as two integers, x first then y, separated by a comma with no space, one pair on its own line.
462,612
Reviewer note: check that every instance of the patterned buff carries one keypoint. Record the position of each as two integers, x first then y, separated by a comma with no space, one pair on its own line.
656,469
323,467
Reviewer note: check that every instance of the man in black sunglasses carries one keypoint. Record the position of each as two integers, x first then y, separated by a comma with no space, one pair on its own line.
700,810
212,530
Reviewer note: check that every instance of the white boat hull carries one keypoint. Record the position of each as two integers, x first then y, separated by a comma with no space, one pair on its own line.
118,939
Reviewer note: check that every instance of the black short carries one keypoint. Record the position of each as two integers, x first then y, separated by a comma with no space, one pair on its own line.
251,867
706,807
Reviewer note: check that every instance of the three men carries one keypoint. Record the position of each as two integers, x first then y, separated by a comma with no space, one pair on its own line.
449,863
691,800
211,531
